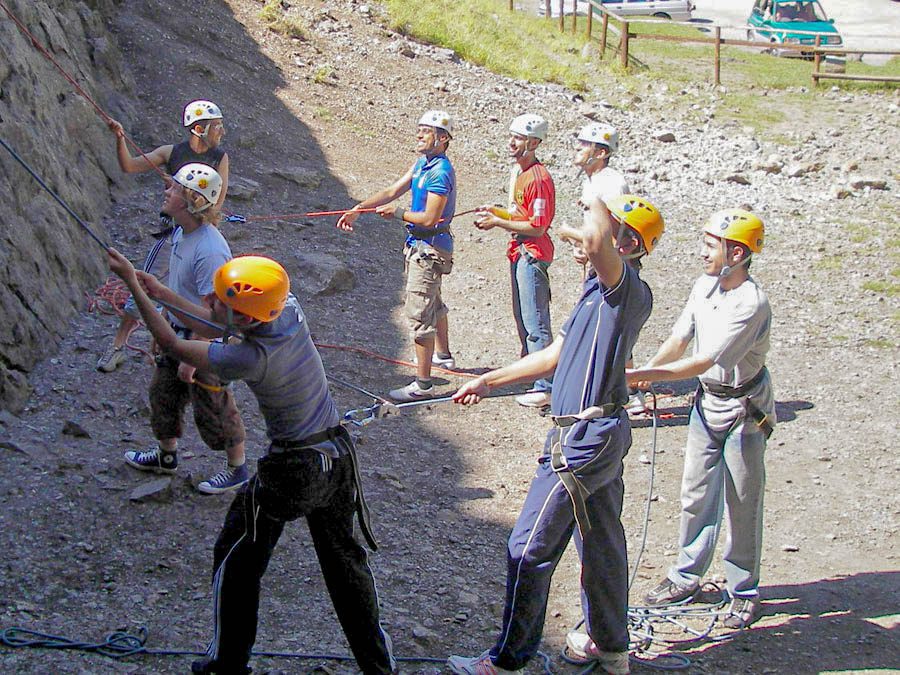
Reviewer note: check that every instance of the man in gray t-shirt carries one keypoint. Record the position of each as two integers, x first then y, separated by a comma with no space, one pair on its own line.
309,469
198,250
728,318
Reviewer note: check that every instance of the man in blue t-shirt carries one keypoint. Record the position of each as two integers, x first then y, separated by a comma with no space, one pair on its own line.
429,246
309,469
578,483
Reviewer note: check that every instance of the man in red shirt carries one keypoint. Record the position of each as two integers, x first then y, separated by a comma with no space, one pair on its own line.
532,200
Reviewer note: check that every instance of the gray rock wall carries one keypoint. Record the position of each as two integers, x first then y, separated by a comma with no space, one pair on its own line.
47,262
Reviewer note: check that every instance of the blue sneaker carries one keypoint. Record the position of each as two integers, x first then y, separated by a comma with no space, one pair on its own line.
228,479
154,460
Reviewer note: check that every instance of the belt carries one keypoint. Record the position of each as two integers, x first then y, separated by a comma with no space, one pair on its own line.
420,232
331,434
734,392
594,412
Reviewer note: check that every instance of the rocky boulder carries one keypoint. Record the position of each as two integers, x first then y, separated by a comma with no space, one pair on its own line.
47,261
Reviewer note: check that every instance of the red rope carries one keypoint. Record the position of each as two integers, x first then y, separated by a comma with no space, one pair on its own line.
388,359
103,114
110,299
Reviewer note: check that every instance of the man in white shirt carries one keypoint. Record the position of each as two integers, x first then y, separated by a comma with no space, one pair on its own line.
728,318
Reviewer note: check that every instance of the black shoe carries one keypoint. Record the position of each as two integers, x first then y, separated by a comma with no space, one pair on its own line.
742,612
669,592
210,667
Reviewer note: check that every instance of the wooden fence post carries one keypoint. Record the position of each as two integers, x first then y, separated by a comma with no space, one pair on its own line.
604,29
574,15
718,51
817,61
547,12
590,20
510,5
562,16
623,46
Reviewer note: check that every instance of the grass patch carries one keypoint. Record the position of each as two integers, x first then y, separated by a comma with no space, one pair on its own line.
830,263
486,33
885,287
323,74
879,344
278,21
323,113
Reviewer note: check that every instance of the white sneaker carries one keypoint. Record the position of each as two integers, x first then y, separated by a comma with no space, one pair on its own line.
580,647
449,363
112,358
534,399
476,665
636,405
411,392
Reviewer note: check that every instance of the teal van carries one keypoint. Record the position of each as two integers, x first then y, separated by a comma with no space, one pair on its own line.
792,22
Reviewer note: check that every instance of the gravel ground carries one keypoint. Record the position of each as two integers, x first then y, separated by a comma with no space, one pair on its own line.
336,111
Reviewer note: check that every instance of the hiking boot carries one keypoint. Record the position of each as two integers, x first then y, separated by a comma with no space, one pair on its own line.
411,392
637,404
112,358
154,460
228,479
742,612
534,399
476,665
669,592
209,667
581,649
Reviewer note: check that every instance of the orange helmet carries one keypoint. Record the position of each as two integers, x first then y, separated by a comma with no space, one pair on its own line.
253,285
737,225
641,216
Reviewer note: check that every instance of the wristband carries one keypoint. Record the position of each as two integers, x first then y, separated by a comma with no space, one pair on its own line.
399,212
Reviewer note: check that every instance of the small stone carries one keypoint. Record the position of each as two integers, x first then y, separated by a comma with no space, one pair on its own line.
159,490
790,548
74,429
665,137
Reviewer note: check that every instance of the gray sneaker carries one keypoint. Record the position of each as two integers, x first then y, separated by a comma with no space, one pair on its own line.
112,358
411,392
742,612
228,479
668,592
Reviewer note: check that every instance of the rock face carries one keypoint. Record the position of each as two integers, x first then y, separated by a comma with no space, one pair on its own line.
46,260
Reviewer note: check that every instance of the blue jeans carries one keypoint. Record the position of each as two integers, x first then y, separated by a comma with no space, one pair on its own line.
531,306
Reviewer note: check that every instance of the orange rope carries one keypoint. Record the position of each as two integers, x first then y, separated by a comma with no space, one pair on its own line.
388,359
110,299
103,114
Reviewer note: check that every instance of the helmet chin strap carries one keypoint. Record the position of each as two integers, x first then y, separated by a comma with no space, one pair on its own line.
637,253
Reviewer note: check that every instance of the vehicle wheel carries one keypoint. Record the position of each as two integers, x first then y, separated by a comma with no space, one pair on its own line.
662,15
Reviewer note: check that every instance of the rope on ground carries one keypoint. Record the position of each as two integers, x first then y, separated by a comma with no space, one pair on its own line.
110,299
119,644
78,88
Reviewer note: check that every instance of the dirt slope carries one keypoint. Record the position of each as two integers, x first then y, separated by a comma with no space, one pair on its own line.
338,108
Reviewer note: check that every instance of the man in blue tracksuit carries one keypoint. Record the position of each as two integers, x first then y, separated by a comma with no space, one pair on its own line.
578,481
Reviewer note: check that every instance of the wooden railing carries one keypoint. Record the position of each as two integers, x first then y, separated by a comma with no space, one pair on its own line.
625,36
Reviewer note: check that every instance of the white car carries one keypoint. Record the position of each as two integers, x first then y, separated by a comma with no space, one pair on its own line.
677,10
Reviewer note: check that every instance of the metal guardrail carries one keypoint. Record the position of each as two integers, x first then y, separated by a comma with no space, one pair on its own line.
625,36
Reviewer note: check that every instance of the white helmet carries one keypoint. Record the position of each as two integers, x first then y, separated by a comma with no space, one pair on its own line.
533,126
439,120
198,111
200,178
602,134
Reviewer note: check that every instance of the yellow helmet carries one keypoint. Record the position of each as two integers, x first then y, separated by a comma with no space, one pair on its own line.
640,215
737,225
253,285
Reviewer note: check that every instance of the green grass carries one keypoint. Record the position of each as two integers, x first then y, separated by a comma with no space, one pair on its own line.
323,113
886,287
323,74
273,15
486,33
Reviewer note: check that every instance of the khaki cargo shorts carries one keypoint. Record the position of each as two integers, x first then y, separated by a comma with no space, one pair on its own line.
425,267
